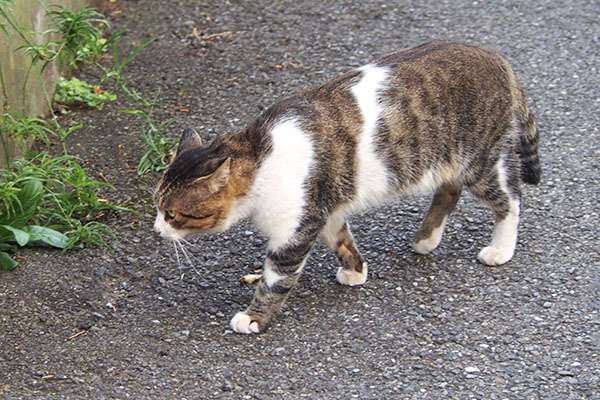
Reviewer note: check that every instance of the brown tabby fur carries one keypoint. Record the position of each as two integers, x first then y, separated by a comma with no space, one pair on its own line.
451,115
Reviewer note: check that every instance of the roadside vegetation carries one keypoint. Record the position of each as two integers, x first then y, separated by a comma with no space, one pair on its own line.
46,196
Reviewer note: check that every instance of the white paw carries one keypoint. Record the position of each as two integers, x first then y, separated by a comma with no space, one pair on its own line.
425,246
351,278
241,323
494,256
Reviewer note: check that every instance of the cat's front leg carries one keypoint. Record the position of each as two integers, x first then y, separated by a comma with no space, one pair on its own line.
280,274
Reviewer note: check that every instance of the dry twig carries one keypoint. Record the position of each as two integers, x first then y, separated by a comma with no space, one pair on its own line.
211,37
77,334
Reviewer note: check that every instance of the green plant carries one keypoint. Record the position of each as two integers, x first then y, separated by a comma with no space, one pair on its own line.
92,232
80,41
16,129
81,34
6,4
159,152
69,202
19,128
75,91
19,206
51,200
117,69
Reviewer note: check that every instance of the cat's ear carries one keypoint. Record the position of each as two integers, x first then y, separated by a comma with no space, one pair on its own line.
189,139
216,181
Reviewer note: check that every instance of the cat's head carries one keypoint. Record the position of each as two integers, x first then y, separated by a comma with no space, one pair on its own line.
192,194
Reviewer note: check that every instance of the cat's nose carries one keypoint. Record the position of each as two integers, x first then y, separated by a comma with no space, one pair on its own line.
157,229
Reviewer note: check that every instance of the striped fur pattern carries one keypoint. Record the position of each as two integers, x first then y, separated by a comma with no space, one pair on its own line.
434,118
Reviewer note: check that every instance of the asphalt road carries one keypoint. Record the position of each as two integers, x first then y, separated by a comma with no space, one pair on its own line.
133,323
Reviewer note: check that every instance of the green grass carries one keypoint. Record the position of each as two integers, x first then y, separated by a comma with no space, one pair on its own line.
80,33
49,199
115,72
65,200
19,129
159,147
21,201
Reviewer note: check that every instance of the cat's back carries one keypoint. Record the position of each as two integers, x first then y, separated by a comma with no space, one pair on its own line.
443,55
448,79
442,84
440,62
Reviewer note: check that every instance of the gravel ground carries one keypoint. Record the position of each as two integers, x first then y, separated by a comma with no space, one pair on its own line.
132,323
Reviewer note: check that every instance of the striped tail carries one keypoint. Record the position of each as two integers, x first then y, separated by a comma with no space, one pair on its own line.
531,171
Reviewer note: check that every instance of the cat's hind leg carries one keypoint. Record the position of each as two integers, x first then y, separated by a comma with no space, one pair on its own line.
500,189
337,236
430,234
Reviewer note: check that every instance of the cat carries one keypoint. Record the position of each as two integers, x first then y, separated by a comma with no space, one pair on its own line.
433,118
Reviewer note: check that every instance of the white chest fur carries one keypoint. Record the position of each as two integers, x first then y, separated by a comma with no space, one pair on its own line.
278,192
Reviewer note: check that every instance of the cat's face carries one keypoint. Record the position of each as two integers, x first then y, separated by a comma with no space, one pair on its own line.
192,196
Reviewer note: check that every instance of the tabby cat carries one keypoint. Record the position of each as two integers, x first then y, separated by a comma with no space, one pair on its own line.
433,118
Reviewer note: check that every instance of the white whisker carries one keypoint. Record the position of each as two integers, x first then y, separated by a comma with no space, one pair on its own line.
176,252
175,243
188,243
188,256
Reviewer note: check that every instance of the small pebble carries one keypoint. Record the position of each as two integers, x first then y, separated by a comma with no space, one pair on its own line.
472,370
280,352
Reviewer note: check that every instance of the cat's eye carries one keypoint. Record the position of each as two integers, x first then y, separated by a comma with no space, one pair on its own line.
171,213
